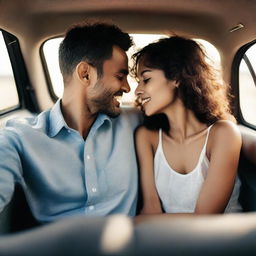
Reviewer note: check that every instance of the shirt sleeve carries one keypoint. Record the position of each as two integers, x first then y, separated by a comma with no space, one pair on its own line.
10,167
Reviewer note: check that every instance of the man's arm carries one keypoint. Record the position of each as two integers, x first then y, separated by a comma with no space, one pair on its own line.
10,167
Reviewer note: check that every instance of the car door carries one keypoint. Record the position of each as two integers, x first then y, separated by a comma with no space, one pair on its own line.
16,100
244,84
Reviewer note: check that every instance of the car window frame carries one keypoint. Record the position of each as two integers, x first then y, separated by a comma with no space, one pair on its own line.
25,91
235,82
18,106
47,74
45,69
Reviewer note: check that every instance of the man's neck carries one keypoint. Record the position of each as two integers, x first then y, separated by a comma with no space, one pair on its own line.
76,115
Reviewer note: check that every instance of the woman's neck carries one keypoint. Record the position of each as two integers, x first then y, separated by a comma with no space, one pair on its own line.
183,122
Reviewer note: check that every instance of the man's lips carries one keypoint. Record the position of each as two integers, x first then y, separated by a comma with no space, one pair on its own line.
118,99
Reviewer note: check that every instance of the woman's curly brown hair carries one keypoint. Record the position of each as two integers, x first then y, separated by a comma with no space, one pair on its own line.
184,60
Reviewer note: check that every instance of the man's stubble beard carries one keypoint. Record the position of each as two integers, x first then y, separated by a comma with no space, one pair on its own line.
102,101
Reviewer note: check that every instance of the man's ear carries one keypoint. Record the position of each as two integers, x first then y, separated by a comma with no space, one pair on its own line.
83,72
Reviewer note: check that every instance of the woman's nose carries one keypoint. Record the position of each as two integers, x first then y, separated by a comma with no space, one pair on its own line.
138,91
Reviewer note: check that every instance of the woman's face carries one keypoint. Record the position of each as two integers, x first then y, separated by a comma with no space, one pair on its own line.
155,93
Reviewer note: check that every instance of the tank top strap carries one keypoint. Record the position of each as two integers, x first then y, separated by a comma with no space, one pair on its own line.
207,136
160,138
205,143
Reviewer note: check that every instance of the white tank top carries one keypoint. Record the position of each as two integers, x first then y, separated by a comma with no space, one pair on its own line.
179,192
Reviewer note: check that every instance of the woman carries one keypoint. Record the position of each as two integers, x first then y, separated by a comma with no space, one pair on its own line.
188,163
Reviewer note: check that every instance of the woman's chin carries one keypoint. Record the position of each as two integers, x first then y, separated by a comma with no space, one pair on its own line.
148,110
148,113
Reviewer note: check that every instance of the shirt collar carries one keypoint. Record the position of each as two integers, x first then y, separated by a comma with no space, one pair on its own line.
57,121
100,120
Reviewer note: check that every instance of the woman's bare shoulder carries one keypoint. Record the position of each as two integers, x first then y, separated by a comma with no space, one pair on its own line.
225,131
144,134
225,127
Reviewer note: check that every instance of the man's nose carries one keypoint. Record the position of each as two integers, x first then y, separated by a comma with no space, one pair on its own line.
126,87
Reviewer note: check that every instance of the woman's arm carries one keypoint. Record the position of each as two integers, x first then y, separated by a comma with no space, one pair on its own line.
216,191
145,154
225,146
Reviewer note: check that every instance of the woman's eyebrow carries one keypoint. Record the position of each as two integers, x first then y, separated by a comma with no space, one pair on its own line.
144,71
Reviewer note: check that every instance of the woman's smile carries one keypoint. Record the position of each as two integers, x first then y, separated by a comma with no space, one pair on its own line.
145,100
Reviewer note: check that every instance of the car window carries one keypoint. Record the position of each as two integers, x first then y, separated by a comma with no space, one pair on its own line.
8,92
247,85
50,55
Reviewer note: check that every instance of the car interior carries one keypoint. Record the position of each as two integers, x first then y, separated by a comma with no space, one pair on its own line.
27,87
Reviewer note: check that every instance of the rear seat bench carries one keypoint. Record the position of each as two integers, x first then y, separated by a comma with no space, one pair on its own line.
247,170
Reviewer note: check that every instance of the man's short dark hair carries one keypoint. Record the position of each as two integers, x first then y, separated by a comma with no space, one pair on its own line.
90,42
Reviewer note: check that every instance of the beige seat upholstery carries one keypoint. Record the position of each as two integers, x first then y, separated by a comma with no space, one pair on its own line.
247,169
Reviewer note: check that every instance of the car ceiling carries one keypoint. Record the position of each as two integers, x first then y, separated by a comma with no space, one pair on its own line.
211,18
33,21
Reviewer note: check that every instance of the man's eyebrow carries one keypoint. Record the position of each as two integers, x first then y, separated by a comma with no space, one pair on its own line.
144,71
123,71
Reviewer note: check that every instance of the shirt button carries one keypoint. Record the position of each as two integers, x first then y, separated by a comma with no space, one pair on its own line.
88,157
91,207
69,131
94,190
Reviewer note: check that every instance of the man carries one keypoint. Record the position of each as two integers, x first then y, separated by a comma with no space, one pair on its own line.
77,158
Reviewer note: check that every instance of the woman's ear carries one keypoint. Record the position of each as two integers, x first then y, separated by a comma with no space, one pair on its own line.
176,84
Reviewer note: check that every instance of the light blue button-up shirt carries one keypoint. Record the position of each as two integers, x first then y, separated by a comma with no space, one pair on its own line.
62,174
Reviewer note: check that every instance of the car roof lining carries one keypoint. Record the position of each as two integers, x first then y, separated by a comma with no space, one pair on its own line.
37,20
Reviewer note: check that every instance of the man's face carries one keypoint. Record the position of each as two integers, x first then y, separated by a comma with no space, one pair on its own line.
105,95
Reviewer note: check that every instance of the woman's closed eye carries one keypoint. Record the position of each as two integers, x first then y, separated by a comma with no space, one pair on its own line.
145,81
